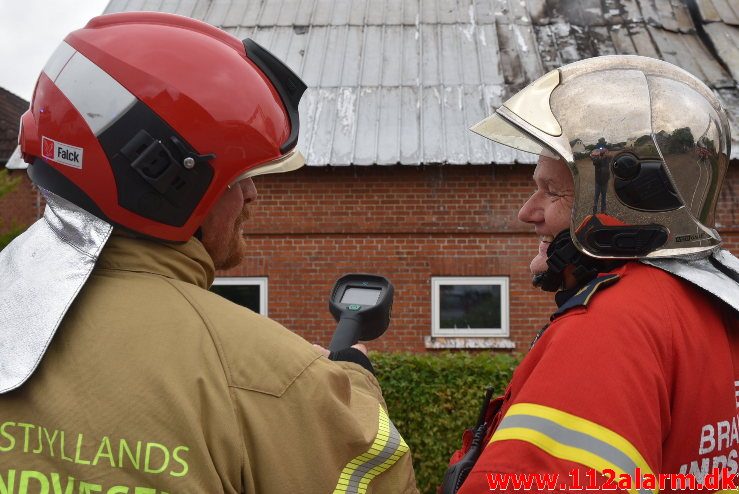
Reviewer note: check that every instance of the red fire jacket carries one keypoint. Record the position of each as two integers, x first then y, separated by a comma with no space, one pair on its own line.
642,375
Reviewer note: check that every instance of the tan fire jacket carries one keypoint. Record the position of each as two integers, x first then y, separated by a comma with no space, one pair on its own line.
153,384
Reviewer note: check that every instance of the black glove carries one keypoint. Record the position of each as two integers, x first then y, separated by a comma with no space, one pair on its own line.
352,355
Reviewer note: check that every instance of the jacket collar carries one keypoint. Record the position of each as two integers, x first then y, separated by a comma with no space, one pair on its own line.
188,262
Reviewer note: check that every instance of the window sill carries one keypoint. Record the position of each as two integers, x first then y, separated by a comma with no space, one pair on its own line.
459,342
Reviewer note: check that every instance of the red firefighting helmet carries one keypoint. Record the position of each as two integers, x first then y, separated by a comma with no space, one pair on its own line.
144,119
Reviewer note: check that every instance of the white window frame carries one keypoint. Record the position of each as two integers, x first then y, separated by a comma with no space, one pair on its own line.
261,281
438,281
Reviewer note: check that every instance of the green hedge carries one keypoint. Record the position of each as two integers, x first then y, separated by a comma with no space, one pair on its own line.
433,398
7,237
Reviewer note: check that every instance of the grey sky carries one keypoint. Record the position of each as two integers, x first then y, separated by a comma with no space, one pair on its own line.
30,31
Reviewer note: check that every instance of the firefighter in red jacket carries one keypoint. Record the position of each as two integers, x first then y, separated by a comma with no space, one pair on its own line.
637,374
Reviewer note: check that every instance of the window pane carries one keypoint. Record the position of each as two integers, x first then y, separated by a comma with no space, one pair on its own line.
246,295
469,306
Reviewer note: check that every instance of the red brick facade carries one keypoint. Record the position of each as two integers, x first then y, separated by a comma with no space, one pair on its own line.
409,224
406,223
21,206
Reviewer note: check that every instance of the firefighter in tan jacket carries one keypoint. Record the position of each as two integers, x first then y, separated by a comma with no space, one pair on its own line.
119,372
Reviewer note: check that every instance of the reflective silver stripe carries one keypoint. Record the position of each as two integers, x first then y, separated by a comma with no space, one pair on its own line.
575,439
58,60
385,451
99,98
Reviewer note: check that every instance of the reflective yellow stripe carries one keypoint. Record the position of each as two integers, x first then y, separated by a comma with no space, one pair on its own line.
385,451
585,426
595,288
556,433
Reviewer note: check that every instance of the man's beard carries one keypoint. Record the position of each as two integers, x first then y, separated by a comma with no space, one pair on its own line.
235,252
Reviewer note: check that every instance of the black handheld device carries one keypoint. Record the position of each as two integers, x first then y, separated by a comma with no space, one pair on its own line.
361,304
456,474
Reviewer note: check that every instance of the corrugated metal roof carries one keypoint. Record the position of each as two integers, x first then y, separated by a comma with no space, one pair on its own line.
719,22
400,81
726,11
389,82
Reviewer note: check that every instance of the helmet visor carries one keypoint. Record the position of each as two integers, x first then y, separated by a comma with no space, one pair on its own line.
290,162
288,85
498,129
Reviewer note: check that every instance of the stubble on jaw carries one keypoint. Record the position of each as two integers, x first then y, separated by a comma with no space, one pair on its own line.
236,250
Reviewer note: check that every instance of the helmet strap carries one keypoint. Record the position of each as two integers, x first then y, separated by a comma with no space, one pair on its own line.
563,253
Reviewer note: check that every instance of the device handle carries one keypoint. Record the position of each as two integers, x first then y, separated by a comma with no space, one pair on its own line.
346,334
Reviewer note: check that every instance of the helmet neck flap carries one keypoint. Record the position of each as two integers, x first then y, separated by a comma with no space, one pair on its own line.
47,264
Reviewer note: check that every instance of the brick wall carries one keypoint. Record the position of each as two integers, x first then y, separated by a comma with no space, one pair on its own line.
407,223
727,211
18,207
11,109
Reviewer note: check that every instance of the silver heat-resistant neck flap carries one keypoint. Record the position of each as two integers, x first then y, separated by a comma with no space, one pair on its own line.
717,274
41,273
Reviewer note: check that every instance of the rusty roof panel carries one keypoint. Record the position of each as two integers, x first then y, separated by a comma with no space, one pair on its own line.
519,57
689,53
707,11
713,73
682,16
725,39
631,11
727,10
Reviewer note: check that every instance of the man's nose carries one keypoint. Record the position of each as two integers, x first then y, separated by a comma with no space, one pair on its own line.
531,211
249,190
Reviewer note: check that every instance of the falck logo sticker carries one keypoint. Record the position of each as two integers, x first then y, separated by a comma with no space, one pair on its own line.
61,153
